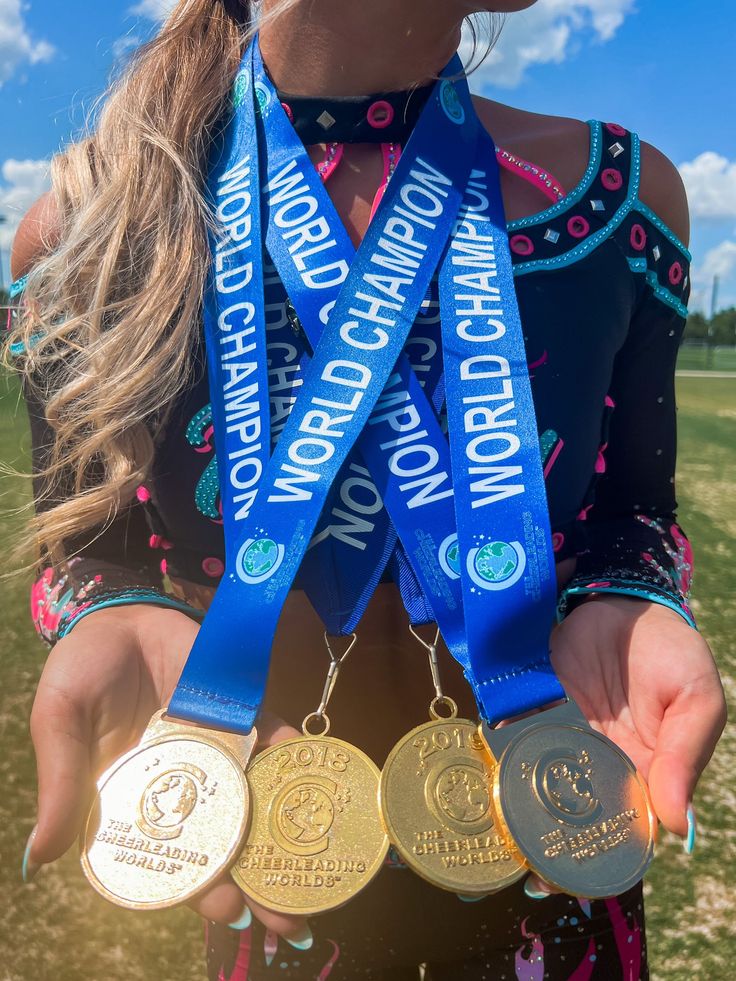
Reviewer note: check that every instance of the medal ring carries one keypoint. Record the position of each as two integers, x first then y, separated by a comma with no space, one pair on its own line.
313,717
447,704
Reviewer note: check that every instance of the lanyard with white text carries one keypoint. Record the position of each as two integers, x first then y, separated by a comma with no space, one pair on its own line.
223,680
431,540
403,439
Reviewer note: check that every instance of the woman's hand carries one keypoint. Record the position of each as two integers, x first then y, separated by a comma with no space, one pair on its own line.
97,693
648,681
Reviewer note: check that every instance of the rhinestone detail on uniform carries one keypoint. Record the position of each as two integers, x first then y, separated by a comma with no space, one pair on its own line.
325,120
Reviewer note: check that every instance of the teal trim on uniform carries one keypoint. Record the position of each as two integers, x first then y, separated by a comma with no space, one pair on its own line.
637,265
593,241
17,287
19,348
151,599
622,588
654,218
640,267
594,160
664,294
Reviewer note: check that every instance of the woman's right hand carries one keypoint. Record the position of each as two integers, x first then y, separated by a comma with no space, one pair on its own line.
99,688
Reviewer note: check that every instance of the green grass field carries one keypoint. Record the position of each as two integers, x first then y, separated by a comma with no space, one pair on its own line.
700,359
58,928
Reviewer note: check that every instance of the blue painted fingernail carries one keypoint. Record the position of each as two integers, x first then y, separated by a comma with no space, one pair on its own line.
533,893
304,942
29,869
471,899
692,831
244,922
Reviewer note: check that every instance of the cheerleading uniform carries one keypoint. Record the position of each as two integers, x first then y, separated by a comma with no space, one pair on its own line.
602,285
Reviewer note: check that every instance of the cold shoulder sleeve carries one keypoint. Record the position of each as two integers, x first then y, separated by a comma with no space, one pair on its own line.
633,544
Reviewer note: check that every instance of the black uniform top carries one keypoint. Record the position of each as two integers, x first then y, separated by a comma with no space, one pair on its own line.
602,285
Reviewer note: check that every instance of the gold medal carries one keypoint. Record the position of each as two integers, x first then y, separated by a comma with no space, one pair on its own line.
436,800
316,837
573,802
169,816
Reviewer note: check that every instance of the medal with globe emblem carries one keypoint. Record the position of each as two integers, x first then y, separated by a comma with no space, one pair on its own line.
169,816
573,803
316,837
436,797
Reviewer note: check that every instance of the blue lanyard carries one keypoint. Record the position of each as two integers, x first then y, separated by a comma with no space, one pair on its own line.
223,681
503,554
403,433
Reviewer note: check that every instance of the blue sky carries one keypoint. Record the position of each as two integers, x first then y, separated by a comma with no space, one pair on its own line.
661,67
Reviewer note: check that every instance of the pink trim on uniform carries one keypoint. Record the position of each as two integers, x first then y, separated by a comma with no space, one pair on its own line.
638,238
553,456
242,962
389,166
612,179
578,226
628,941
676,274
384,107
532,174
327,969
584,970
521,244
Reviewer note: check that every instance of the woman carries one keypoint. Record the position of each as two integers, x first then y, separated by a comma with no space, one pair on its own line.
124,447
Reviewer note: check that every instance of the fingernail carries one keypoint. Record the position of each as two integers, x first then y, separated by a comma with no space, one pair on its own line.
692,831
244,922
29,869
302,941
471,899
534,891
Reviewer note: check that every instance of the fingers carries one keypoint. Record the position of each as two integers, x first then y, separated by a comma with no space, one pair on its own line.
272,730
225,903
687,737
61,741
294,929
536,888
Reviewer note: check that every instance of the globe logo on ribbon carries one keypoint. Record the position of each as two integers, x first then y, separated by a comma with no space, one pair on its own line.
449,556
496,565
450,102
258,559
240,88
263,96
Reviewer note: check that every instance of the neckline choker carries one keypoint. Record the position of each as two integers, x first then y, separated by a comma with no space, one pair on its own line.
387,117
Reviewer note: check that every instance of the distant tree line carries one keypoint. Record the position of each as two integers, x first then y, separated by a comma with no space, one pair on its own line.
720,330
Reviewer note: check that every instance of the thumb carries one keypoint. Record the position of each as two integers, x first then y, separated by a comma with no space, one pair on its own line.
61,741
687,737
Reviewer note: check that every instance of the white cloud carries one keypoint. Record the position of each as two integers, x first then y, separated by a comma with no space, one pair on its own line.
21,183
547,33
124,46
720,262
153,9
17,47
710,180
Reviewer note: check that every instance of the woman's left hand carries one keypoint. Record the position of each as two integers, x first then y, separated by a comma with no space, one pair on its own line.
642,676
